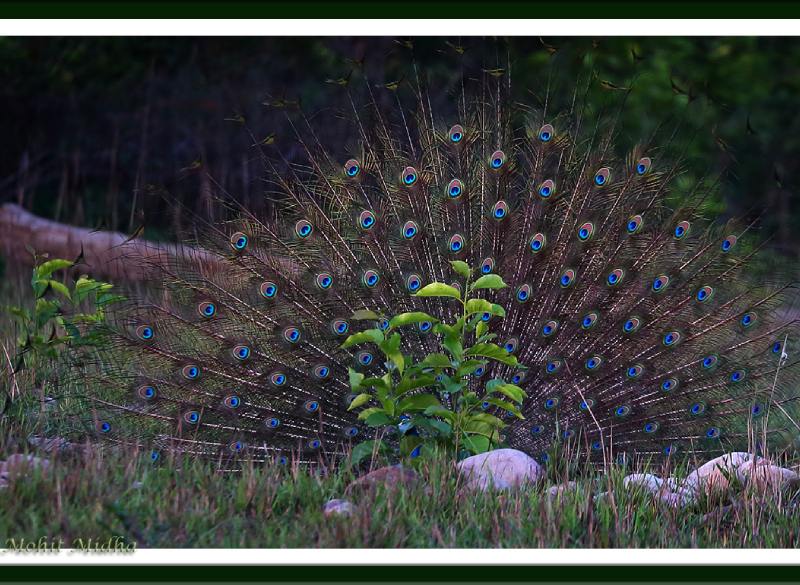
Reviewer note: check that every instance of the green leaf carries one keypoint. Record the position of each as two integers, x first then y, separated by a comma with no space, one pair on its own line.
359,400
59,288
484,306
489,419
417,403
476,444
391,349
436,360
404,319
468,367
461,268
488,281
368,336
408,443
441,412
513,392
45,269
438,289
355,378
444,429
368,412
453,345
366,449
408,383
378,419
365,315
493,352
507,406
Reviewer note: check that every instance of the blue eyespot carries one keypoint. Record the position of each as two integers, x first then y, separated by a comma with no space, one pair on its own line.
303,228
370,278
776,347
669,384
454,189
456,243
322,372
364,358
546,133
500,210
486,317
154,456
567,278
632,325
241,352
282,460
602,176
597,446
634,224
553,366
635,370
415,452
550,403
709,362
697,408
537,430
413,282
278,379
409,176
311,406
585,231
479,371
268,289
324,280
104,427
366,219
660,283
383,325
273,422
589,320
523,293
291,334
544,457
485,405
704,293
192,417
340,326
586,404
593,362
748,319
757,409
651,427
713,433
352,168
239,241
728,243
568,434
190,372
518,378
314,444
622,411
682,229
672,338
207,309
145,332
497,159
410,230
232,401
738,376
538,242
511,344
350,432
425,326
456,134
549,328
546,189
643,165
615,277
146,392
487,265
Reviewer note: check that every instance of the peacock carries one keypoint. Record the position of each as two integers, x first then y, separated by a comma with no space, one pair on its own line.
630,308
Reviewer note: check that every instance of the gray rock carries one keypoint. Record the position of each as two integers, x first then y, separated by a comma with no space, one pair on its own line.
499,469
556,491
648,481
337,508
391,477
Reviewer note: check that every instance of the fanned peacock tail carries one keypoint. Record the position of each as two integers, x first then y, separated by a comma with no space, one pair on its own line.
631,309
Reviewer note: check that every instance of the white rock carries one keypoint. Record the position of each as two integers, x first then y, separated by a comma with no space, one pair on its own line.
648,481
764,475
337,508
715,474
499,469
556,491
19,465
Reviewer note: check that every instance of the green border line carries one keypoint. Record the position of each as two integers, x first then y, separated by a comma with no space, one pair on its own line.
408,573
357,9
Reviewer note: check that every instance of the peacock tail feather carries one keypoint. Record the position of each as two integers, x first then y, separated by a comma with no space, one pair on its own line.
633,311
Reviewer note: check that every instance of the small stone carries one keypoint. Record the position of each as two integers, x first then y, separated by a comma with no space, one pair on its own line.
499,469
556,491
19,465
137,485
337,508
648,481
391,477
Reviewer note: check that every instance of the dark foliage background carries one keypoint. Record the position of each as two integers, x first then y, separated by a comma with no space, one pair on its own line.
119,132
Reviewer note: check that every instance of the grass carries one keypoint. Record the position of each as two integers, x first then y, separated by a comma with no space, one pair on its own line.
189,504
